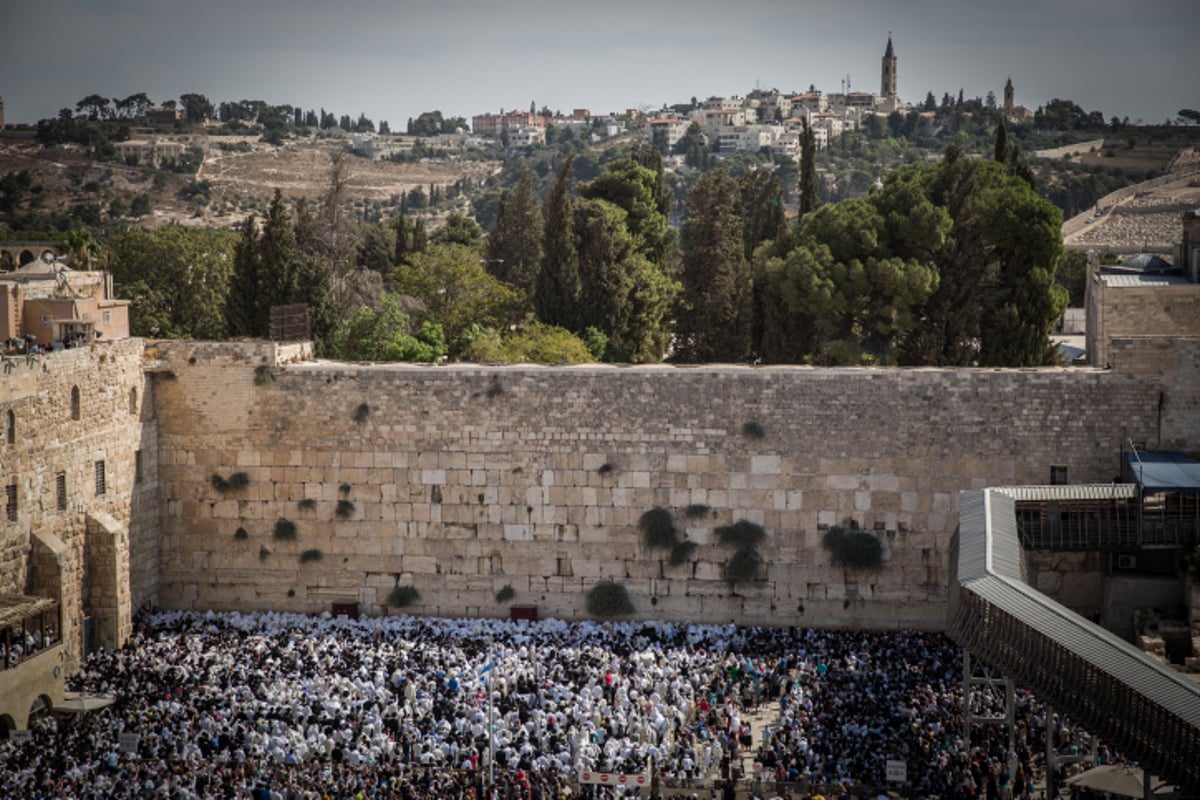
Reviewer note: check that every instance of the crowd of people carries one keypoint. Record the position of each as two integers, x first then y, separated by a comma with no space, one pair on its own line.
280,706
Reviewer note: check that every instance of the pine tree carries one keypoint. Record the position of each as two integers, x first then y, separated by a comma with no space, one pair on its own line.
314,280
514,247
403,244
556,291
714,317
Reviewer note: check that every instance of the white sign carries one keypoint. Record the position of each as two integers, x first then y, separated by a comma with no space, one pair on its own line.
20,737
614,778
897,771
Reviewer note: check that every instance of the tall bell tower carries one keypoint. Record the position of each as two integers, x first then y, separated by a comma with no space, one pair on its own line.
888,88
1008,95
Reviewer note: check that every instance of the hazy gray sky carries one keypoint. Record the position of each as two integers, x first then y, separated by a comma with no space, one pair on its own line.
393,59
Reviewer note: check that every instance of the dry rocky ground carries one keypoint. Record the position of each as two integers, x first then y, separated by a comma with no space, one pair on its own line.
240,182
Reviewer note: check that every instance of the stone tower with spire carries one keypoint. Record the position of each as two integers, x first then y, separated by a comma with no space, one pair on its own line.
888,88
1008,95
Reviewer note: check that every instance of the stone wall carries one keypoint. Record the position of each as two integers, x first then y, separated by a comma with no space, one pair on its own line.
461,480
46,550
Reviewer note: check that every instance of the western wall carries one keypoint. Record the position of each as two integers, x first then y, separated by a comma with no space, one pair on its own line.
461,480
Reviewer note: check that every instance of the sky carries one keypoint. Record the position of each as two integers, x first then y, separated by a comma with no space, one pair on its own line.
394,59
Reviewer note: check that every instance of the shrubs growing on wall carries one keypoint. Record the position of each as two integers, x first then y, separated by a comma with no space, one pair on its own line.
241,534
506,594
308,504
263,375
285,529
312,554
345,509
681,552
609,599
402,596
360,413
854,547
746,561
753,430
658,529
236,481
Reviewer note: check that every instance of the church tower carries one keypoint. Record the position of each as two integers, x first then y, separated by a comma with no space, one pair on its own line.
1008,95
889,70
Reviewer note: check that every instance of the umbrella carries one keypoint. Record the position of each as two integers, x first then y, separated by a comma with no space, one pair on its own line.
79,703
1119,779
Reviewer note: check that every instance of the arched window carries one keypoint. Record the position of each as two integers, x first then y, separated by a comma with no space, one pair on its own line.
10,427
133,407
74,402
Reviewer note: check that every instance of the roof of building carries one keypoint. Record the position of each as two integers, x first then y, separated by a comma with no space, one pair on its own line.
890,52
1142,279
1164,471
16,607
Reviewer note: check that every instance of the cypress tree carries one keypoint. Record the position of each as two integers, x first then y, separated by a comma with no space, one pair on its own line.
556,291
714,318
1001,153
278,277
808,170
514,247
241,304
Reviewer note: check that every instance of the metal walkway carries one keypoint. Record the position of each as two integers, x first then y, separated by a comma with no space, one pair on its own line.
1146,710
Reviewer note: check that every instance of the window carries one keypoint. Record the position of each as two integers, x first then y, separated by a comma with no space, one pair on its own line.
137,466
10,427
74,402
108,316
100,487
133,408
10,496
1058,476
60,490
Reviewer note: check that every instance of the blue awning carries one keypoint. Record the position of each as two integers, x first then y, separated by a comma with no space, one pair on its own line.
1163,471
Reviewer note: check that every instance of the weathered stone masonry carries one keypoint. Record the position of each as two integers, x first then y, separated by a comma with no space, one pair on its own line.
466,479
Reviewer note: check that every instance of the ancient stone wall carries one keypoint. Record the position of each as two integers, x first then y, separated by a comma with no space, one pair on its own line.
57,441
462,480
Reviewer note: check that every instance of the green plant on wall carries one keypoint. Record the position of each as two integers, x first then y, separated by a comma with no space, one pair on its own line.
854,547
753,430
241,534
263,375
360,413
742,533
402,596
236,481
744,566
505,594
608,599
307,504
312,554
345,509
285,529
696,511
658,529
681,552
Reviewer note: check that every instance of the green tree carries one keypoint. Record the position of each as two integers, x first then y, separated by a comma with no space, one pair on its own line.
514,247
808,170
714,315
459,229
279,263
241,303
1001,149
536,343
640,192
382,334
458,294
374,251
556,291
177,279
316,277
197,107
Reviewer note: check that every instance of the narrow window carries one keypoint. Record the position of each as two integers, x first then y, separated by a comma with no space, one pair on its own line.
74,402
10,427
60,490
100,487
137,466
1058,476
10,496
133,408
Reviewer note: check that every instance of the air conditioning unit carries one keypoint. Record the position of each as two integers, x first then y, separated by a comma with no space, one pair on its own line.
1126,562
